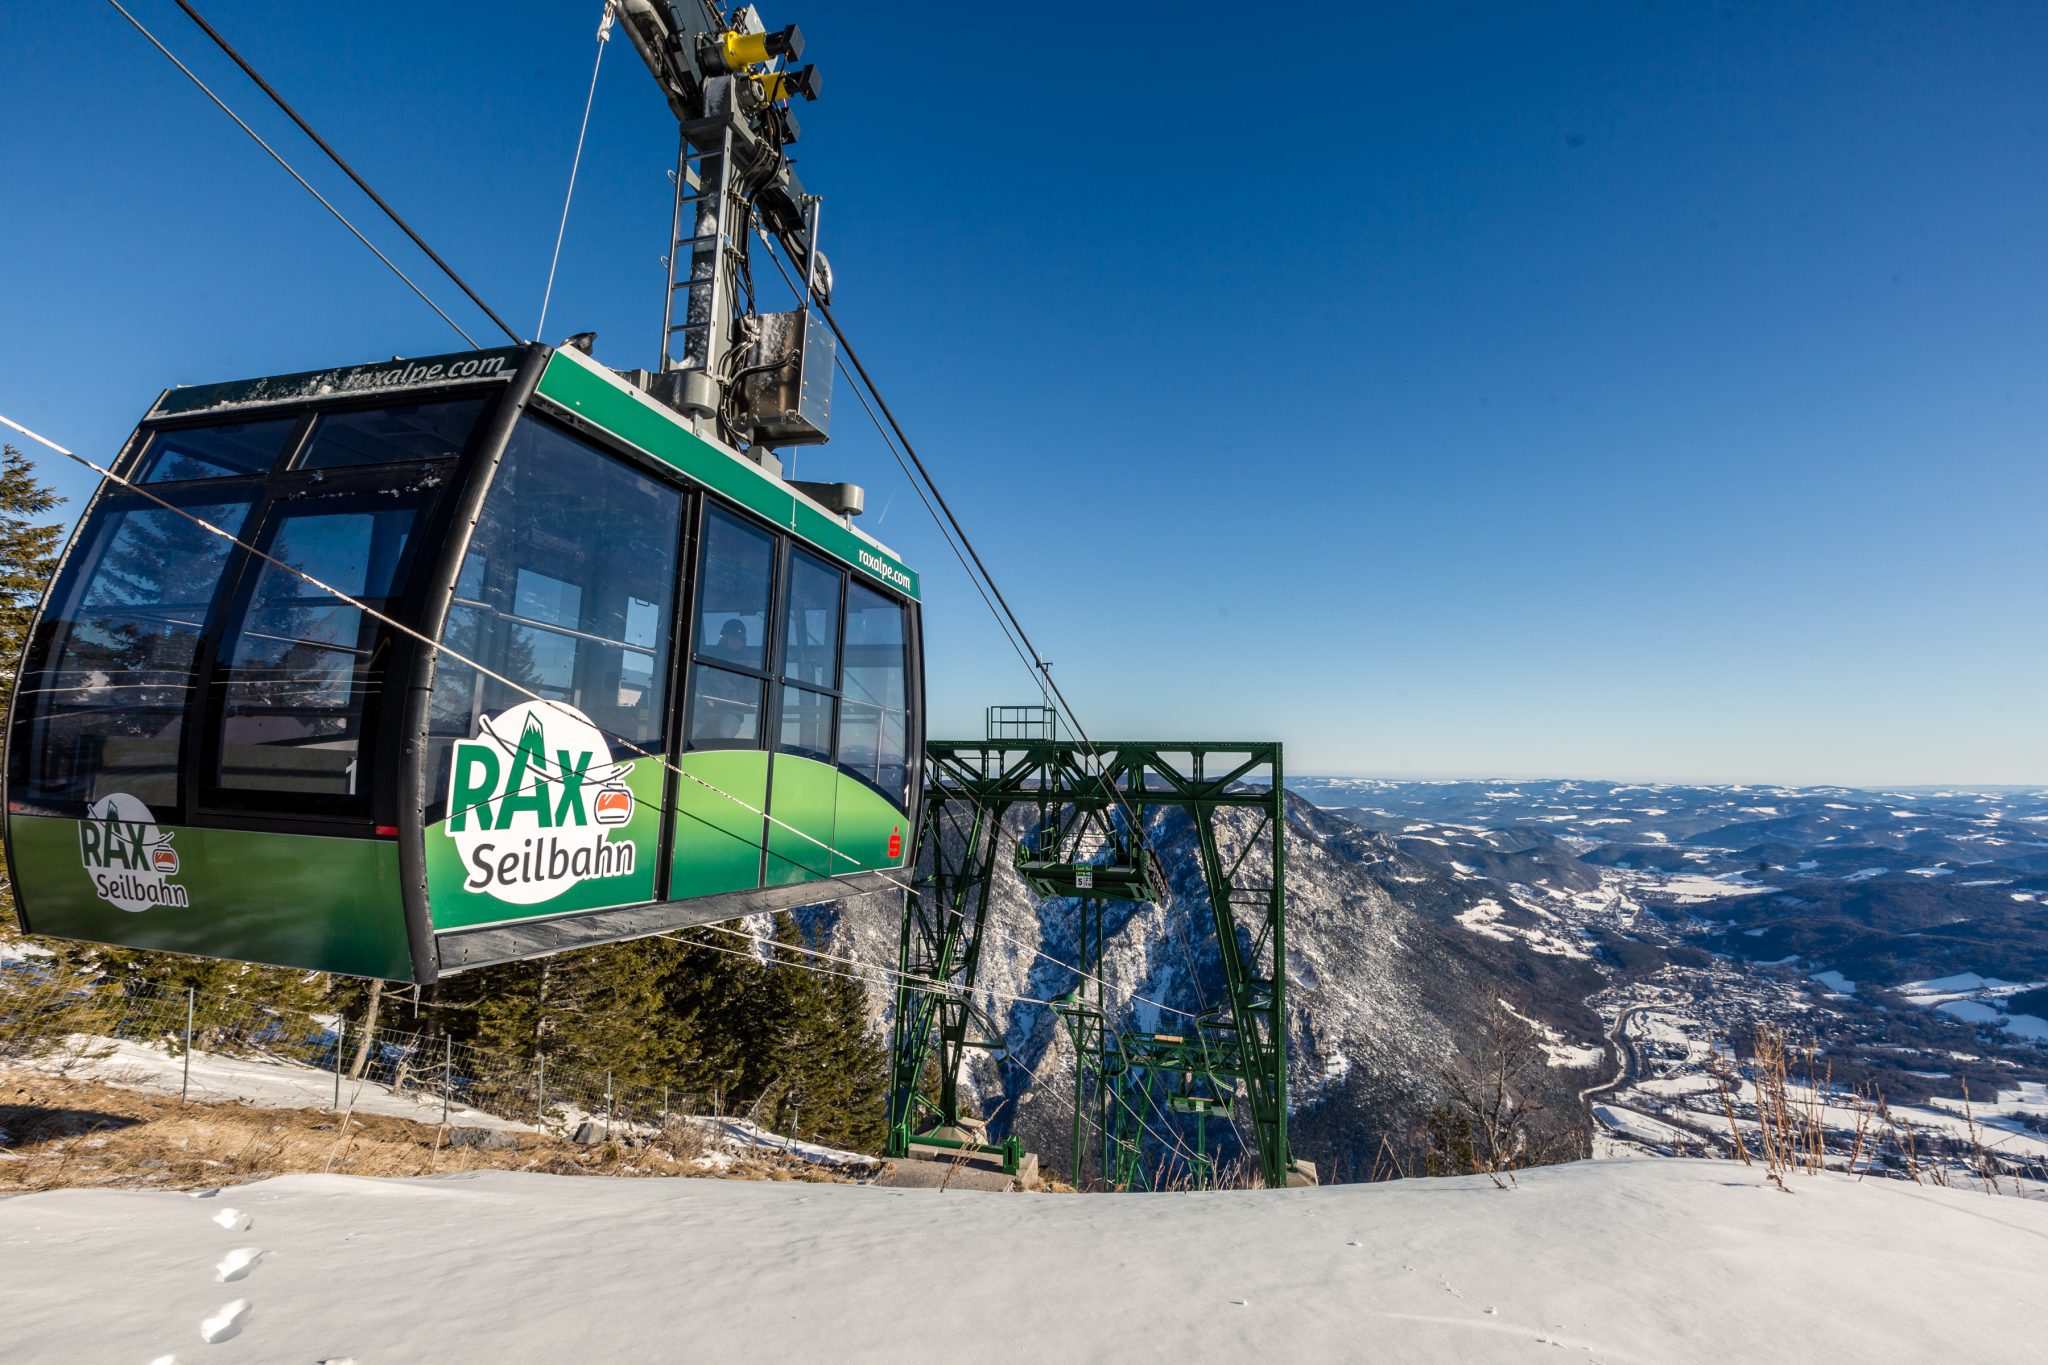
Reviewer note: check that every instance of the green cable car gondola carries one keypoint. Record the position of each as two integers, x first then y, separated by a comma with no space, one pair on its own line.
485,656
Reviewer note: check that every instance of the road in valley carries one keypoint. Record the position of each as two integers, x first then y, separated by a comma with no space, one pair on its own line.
1628,1068
1626,1063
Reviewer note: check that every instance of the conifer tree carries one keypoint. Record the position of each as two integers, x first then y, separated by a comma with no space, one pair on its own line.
829,1072
776,1039
715,991
591,1009
28,556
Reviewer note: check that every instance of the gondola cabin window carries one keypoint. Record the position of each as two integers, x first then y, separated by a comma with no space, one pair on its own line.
216,452
835,682
810,659
415,431
118,646
875,724
303,672
735,585
567,593
301,687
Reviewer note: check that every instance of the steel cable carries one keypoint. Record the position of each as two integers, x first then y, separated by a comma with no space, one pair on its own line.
292,171
335,157
604,34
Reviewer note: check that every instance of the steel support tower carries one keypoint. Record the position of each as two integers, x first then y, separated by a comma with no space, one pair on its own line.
1092,803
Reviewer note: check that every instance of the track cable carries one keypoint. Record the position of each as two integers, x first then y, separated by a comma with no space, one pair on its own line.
336,157
292,171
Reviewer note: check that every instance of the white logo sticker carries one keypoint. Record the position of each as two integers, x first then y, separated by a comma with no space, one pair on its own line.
130,860
531,802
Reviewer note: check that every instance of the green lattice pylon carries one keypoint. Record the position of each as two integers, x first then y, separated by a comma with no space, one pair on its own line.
1232,792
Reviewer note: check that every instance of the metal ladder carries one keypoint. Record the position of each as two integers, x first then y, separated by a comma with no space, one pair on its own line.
699,260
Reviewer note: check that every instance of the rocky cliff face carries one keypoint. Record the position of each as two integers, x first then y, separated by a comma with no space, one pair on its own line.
1384,992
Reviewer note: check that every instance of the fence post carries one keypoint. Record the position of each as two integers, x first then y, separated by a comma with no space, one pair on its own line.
540,1093
607,1106
340,1037
185,1085
447,1073
664,1106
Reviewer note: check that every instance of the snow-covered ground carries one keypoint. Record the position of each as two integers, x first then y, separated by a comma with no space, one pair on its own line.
1669,1261
1644,1129
263,1082
732,1136
1557,1049
1693,889
275,1083
1835,981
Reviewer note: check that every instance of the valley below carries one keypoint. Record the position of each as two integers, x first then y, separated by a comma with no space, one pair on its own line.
1894,945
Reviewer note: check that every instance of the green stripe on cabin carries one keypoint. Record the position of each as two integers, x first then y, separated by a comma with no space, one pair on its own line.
603,401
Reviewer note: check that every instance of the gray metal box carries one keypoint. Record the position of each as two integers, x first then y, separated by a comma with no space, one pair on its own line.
790,403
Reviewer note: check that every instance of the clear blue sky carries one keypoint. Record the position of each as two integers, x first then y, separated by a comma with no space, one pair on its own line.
1645,390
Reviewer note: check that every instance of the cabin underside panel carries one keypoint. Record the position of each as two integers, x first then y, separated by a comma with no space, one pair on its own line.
285,900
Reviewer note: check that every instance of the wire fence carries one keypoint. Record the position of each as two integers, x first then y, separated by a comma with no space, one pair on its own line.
227,1046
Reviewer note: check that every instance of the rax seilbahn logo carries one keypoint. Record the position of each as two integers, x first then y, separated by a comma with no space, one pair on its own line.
131,861
533,803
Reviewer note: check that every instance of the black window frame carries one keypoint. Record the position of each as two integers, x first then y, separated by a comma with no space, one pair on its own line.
365,486
302,442
783,683
29,714
194,805
913,693
773,677
697,652
132,465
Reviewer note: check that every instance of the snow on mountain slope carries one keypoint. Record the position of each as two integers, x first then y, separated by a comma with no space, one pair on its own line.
1669,1261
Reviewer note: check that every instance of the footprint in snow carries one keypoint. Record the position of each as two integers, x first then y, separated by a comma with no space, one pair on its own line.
234,1220
226,1323
237,1263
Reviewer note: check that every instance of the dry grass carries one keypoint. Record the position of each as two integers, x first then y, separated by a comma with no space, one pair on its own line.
1790,1111
1794,1087
69,1133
